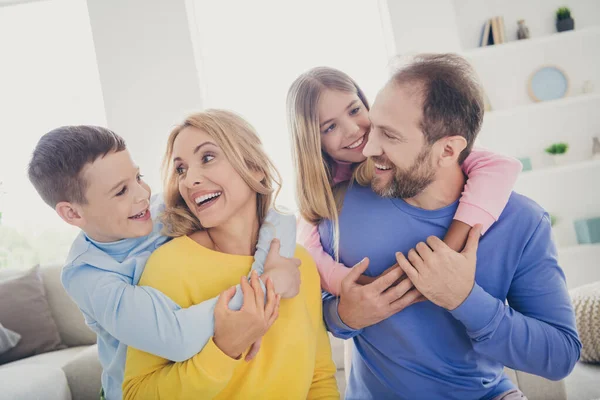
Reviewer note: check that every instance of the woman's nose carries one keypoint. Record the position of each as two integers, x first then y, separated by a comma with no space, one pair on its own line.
193,177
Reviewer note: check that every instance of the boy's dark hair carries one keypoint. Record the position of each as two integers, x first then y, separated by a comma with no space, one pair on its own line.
60,156
451,94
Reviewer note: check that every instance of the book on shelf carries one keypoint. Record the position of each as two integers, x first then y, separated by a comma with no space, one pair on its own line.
493,32
485,36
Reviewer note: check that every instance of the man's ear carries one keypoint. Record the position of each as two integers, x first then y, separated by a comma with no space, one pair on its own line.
70,213
451,148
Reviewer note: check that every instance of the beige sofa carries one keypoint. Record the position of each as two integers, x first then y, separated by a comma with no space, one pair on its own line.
71,373
74,373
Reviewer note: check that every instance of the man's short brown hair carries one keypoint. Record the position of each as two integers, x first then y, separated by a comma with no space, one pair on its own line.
451,94
60,156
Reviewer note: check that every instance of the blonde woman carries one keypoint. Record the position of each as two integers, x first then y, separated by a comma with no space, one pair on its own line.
329,125
219,187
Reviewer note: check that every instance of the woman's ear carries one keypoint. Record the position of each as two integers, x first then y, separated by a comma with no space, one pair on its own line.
452,147
257,174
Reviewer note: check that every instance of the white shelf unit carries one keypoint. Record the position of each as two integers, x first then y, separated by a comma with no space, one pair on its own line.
526,131
505,69
521,128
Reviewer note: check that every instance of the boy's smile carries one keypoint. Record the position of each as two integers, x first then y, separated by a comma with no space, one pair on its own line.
118,200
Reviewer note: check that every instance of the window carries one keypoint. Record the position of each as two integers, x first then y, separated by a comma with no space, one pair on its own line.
48,78
249,55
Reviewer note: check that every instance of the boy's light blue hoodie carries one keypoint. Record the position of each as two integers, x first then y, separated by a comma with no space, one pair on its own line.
101,278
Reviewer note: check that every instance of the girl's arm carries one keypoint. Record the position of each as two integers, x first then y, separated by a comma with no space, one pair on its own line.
332,273
491,178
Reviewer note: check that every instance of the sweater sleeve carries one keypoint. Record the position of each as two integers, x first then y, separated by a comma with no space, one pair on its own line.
491,178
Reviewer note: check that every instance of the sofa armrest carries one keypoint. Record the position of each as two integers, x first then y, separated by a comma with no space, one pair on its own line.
537,388
84,374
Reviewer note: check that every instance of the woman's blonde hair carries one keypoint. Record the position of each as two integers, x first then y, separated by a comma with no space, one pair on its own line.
241,145
317,198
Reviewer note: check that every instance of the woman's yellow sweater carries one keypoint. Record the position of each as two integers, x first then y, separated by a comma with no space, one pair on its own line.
294,361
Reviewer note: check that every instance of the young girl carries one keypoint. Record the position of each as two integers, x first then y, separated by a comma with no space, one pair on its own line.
329,124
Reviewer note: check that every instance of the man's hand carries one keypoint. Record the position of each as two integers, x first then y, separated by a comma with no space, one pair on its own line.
282,271
361,306
235,331
444,276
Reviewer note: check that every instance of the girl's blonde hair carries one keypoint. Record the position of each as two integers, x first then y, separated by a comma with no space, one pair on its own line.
241,145
317,198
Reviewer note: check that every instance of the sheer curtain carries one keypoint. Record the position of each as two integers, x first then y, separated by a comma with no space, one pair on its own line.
48,78
250,52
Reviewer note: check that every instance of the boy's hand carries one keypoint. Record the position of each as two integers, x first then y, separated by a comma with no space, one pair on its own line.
283,272
236,331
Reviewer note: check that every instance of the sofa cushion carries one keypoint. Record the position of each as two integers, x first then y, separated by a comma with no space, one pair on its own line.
69,320
84,374
32,382
586,303
24,309
58,358
582,384
8,339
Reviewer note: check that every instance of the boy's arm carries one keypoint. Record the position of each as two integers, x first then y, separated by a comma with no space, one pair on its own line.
124,310
177,334
491,178
276,226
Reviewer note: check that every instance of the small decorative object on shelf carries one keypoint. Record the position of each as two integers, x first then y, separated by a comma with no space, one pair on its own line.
596,148
587,87
558,152
548,83
526,162
523,31
553,220
588,230
564,22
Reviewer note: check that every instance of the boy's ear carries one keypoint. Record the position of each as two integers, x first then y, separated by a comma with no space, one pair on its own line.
69,213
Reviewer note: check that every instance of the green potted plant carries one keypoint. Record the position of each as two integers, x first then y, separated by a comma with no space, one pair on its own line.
558,152
564,22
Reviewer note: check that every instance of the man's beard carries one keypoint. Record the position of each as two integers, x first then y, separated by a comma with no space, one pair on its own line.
407,183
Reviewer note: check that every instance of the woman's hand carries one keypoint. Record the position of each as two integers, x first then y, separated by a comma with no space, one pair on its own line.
235,331
282,271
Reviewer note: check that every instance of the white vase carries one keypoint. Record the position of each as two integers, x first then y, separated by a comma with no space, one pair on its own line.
559,159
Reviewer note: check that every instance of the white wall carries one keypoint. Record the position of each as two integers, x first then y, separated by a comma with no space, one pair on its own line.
148,73
539,16
248,64
424,26
48,78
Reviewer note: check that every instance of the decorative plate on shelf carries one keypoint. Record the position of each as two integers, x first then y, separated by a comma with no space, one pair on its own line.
548,83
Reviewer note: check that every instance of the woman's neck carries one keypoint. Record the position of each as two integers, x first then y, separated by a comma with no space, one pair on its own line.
238,235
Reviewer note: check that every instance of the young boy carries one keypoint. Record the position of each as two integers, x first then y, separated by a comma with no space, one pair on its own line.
87,175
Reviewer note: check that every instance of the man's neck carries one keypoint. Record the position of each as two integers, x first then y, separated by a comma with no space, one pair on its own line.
445,190
239,235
